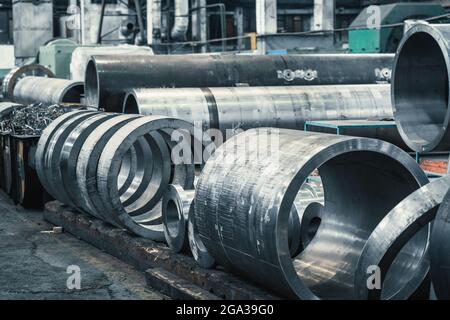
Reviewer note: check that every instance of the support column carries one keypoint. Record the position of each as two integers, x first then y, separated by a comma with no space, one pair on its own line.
266,21
239,23
199,23
324,14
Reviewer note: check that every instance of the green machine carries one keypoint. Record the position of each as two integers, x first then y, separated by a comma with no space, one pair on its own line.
386,40
56,55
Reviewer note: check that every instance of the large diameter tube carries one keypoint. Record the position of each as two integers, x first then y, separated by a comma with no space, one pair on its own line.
246,190
48,90
109,77
420,87
251,107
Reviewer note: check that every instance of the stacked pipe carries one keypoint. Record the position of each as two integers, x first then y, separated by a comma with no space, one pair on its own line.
114,167
108,78
247,189
47,90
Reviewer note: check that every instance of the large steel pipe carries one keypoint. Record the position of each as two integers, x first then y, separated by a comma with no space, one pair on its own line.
48,90
245,194
109,77
439,250
251,107
402,234
420,87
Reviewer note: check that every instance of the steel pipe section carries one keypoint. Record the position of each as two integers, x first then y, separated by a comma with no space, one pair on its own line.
114,167
16,74
251,107
439,251
48,90
245,194
108,78
176,205
420,87
403,234
198,249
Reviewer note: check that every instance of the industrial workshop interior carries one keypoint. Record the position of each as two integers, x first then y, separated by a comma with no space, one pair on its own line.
224,156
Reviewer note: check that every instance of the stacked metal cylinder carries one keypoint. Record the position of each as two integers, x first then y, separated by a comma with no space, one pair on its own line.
114,167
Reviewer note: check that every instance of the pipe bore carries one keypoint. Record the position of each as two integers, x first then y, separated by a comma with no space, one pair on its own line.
420,88
176,204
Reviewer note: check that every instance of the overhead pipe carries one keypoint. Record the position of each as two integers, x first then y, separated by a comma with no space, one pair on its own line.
245,192
181,22
109,77
48,90
420,87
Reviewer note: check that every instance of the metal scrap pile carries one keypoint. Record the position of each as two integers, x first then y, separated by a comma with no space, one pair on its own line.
31,119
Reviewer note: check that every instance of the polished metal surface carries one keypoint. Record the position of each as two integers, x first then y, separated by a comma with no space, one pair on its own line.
51,159
48,90
401,239
139,216
198,249
244,197
176,204
420,87
43,143
108,78
251,107
14,76
440,249
69,157
115,167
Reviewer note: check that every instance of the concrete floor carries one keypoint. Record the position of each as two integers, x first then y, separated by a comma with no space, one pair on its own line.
34,262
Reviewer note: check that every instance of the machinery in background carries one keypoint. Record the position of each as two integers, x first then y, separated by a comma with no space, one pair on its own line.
56,56
32,26
386,40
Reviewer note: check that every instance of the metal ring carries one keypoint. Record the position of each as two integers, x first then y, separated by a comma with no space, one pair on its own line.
402,237
176,204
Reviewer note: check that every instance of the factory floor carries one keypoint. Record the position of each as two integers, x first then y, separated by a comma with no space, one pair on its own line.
34,262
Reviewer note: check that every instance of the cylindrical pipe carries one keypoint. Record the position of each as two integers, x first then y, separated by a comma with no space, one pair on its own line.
439,250
420,87
48,90
16,74
181,22
246,190
251,107
109,77
404,231
228,109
